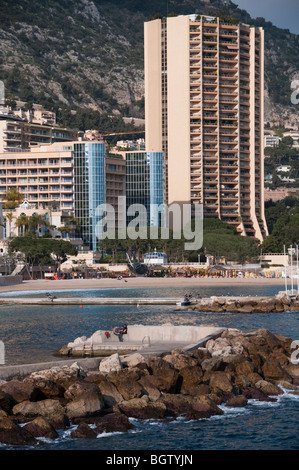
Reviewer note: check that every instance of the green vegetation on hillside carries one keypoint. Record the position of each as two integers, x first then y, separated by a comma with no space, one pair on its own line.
283,224
76,54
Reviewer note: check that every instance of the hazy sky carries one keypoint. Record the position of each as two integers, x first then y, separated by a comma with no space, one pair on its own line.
282,13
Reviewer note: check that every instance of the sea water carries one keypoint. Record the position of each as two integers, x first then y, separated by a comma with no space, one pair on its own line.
33,333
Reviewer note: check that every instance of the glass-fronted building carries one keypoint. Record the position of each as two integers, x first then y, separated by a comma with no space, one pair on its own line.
90,190
144,185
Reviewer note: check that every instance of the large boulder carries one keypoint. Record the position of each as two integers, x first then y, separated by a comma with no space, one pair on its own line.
41,427
126,382
142,408
109,392
190,407
237,401
134,360
180,360
13,434
87,404
48,388
163,375
268,387
220,381
47,408
63,375
79,388
113,422
219,347
6,402
110,364
19,391
149,389
83,431
191,376
272,370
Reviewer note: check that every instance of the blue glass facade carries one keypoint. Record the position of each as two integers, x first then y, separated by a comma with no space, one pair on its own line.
144,184
90,189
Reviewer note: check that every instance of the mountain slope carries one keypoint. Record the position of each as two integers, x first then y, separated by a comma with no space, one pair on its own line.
67,54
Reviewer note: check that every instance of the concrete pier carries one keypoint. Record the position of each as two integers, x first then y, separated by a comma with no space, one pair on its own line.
146,339
89,301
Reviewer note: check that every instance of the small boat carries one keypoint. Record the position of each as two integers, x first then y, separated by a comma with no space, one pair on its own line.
184,303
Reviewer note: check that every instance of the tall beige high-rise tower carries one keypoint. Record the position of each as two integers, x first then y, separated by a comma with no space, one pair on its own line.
204,108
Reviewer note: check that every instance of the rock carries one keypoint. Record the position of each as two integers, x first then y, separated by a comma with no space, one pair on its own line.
180,361
46,408
59,421
109,392
40,427
201,354
190,407
244,367
163,375
142,408
293,371
287,385
256,394
268,388
242,381
19,391
87,404
48,388
263,337
83,431
213,363
61,375
272,370
79,388
134,360
13,434
149,389
113,422
191,376
6,403
126,382
110,364
237,401
220,381
254,377
219,347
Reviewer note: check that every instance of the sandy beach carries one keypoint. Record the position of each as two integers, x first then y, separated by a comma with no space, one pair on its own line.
138,282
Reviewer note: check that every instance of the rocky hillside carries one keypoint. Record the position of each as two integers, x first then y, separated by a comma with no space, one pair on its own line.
82,53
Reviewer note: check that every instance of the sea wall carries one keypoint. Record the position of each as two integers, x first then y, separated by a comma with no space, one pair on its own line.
229,371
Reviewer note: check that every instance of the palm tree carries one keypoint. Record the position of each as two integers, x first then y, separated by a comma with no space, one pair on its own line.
22,223
37,222
9,217
12,198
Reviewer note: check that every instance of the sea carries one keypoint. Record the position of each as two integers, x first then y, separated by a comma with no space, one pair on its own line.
33,334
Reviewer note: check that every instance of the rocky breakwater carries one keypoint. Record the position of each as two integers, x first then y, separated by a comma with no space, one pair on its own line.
282,302
230,370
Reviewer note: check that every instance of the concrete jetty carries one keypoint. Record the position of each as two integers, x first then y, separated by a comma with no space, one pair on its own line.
89,301
148,339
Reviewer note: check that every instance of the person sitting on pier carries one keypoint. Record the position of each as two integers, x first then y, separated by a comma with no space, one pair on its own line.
120,331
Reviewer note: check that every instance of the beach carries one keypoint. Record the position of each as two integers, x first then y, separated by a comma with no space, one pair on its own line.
140,282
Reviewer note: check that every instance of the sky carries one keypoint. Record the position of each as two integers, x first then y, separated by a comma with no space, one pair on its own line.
282,13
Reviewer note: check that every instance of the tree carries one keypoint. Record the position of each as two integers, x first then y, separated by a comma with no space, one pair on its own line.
39,251
9,217
12,198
